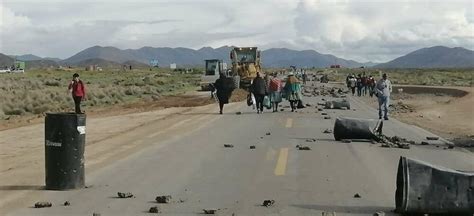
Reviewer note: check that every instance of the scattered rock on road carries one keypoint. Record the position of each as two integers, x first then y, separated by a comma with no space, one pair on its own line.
311,140
163,199
380,213
432,138
327,117
95,214
329,213
238,113
228,146
252,147
210,211
268,134
268,203
43,205
346,140
357,195
324,113
424,143
327,131
320,109
124,195
67,203
154,209
307,148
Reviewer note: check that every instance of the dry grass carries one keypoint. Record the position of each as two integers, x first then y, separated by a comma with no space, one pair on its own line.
429,77
39,91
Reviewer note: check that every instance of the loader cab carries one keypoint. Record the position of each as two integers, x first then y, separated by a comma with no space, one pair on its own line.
213,67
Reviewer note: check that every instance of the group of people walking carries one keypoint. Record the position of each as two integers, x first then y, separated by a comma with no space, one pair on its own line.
363,84
264,92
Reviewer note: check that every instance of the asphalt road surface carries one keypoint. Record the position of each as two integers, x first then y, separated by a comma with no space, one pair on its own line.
192,165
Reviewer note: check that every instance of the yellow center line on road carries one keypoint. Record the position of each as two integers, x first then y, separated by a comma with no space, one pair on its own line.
289,123
280,168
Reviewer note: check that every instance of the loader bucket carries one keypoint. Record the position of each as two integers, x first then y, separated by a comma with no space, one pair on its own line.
423,188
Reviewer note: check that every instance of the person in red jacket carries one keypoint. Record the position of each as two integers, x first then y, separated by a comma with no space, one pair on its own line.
78,91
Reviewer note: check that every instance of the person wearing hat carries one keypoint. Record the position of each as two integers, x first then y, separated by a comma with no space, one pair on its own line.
78,90
293,91
383,88
275,91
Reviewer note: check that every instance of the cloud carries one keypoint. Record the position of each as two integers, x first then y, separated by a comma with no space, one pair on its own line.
365,30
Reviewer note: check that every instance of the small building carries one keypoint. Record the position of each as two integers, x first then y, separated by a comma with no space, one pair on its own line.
173,66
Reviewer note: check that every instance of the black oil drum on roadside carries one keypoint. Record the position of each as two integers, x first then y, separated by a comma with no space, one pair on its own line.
65,137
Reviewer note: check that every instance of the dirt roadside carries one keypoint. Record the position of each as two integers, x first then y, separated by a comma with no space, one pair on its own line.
189,99
447,111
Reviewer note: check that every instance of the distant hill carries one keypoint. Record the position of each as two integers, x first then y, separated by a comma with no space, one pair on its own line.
97,61
190,57
282,57
5,61
41,64
31,57
433,57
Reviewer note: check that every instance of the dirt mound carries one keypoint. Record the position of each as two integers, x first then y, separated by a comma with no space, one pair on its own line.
238,95
438,91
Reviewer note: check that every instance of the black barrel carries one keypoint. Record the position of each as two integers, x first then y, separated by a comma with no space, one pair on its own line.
355,128
423,188
65,139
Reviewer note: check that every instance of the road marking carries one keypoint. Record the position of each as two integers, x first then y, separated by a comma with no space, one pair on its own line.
289,123
280,168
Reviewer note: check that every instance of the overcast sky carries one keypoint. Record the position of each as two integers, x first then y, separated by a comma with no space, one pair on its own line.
368,30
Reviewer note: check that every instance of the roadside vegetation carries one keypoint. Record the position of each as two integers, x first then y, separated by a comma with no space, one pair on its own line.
38,91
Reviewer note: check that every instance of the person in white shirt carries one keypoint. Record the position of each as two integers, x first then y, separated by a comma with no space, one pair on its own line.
383,88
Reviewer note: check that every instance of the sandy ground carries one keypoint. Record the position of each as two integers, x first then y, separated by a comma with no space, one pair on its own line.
437,110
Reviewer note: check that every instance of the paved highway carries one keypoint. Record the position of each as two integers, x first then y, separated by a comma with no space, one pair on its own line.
191,164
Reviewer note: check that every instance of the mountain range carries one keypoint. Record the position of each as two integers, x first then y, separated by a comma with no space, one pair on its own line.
432,57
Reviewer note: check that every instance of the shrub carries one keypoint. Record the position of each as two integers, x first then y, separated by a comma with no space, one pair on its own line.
52,83
14,111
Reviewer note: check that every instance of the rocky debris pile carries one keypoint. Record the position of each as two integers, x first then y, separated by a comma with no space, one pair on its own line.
395,142
400,107
337,104
268,203
252,147
43,204
327,131
357,195
67,203
228,146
